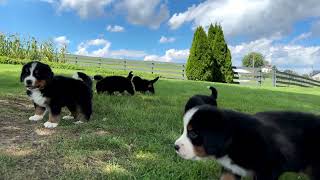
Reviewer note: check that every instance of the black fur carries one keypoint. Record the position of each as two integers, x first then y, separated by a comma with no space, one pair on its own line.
111,84
198,100
267,143
97,77
64,91
85,78
42,72
143,85
130,75
60,91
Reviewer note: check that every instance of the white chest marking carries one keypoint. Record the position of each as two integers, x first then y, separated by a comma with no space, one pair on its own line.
37,98
226,162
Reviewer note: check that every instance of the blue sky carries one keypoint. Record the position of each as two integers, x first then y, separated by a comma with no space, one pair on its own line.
285,31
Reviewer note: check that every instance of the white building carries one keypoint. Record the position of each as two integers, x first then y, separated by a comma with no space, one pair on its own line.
316,76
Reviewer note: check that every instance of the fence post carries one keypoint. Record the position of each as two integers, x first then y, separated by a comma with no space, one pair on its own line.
152,67
183,72
125,65
260,76
76,59
100,62
274,77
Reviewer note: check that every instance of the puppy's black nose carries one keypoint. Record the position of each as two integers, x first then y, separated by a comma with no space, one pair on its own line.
28,82
176,147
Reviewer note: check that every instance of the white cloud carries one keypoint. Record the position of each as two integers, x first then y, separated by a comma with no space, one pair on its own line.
61,41
254,18
84,8
164,39
115,28
150,13
302,36
101,48
47,1
98,42
170,56
295,57
102,51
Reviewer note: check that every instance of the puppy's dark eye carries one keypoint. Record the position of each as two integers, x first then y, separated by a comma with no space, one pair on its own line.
192,135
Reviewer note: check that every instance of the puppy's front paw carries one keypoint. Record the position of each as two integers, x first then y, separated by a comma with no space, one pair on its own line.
36,118
50,125
68,117
78,122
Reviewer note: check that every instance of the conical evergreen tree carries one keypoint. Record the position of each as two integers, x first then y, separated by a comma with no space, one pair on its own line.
199,58
228,72
218,54
214,66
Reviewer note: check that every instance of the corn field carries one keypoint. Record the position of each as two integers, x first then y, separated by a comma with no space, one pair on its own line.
29,48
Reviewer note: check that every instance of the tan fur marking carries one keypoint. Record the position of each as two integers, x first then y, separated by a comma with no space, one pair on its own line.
53,118
78,115
227,176
308,171
199,151
40,84
39,110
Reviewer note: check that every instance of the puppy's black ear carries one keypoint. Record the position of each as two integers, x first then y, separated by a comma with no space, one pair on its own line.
48,72
22,73
155,80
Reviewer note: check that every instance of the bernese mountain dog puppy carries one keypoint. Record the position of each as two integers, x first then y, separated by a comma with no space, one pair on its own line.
264,145
144,85
198,100
52,93
111,84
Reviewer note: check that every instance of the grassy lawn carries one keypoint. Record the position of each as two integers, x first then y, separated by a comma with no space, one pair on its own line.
127,137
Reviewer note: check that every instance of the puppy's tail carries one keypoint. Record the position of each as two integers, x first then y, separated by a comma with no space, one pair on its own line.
83,77
97,77
130,75
214,92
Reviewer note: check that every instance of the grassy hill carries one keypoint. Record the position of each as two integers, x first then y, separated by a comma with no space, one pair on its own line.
127,137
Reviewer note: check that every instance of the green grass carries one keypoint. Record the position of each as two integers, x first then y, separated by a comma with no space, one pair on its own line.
132,137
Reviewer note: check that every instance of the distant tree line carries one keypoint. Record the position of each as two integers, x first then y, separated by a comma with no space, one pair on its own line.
29,48
210,57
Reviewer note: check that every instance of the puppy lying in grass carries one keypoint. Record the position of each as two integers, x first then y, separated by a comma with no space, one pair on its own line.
144,85
112,84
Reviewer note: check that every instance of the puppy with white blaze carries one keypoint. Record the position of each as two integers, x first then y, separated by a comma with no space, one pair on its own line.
264,145
51,93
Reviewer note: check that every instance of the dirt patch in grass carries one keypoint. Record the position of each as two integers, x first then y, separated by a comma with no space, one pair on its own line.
15,128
